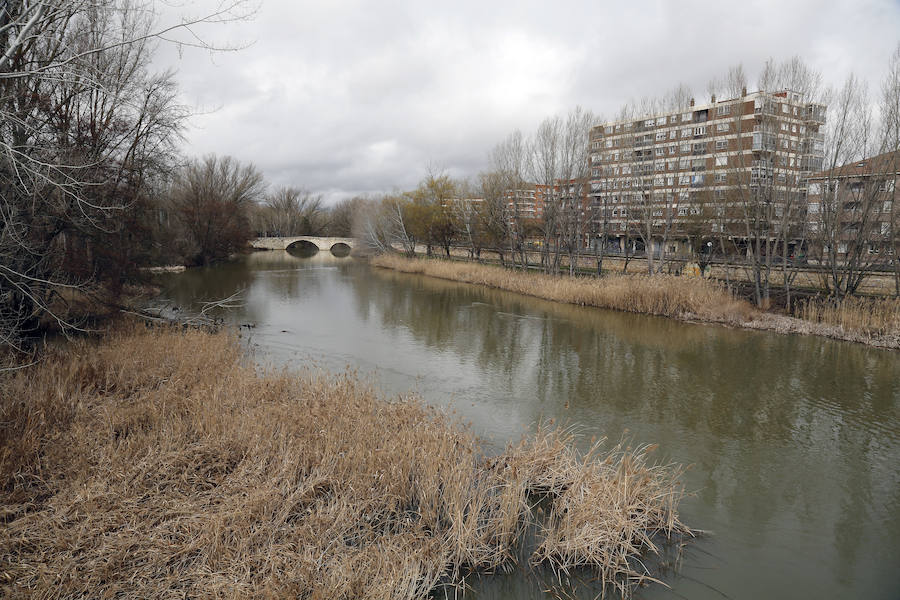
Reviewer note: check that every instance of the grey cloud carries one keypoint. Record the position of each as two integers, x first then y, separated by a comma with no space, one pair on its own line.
350,96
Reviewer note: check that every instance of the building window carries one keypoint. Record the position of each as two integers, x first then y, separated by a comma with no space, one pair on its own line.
721,161
724,110
721,145
673,134
721,177
723,126
686,117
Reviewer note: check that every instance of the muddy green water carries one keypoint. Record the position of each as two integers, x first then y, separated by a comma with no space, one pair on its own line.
793,442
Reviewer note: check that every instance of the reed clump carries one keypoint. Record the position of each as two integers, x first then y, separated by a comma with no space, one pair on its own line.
867,316
158,463
665,295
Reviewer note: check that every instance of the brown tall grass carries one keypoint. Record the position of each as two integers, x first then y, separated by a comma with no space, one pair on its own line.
158,463
666,295
868,316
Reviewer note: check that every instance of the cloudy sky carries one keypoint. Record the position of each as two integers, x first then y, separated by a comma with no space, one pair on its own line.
346,97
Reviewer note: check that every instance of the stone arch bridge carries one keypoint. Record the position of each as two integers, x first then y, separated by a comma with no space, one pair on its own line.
283,243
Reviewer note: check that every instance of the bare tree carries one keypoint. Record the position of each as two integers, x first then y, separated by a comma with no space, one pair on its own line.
767,194
890,124
290,211
545,167
212,199
572,193
510,161
493,214
341,217
852,192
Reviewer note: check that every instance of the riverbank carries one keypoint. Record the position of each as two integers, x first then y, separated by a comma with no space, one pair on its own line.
157,461
683,298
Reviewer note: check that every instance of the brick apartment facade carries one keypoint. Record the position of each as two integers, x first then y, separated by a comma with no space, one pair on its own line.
693,170
526,206
852,209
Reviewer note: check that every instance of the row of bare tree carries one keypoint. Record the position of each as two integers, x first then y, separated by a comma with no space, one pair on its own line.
495,210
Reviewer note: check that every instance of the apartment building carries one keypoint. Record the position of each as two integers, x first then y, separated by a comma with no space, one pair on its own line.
525,205
570,202
659,180
852,212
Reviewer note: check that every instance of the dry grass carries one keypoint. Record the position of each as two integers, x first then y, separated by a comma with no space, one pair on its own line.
157,463
666,295
867,316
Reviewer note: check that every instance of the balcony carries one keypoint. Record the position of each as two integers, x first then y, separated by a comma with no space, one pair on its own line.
763,142
815,113
812,163
764,108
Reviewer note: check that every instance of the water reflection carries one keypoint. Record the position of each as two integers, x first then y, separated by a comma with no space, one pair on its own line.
794,442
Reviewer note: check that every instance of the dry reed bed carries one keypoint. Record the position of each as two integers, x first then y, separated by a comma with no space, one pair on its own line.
870,316
664,295
156,463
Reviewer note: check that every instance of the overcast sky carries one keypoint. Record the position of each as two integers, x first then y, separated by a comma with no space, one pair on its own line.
346,97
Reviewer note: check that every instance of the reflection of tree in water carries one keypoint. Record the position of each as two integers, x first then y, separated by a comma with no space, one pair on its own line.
783,421
739,384
193,286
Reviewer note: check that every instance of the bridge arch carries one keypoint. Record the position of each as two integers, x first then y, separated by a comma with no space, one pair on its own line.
303,247
340,249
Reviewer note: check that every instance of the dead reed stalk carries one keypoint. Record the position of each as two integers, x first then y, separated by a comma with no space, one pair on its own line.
158,463
868,316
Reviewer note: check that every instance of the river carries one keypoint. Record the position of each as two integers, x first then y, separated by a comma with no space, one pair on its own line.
793,442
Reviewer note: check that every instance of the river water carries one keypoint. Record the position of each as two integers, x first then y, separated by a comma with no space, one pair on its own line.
793,442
